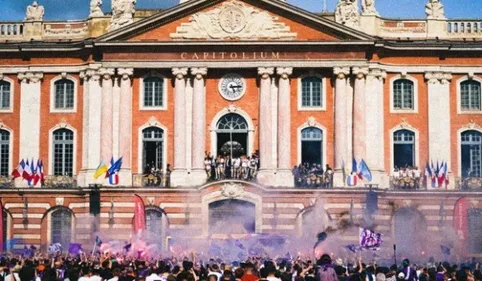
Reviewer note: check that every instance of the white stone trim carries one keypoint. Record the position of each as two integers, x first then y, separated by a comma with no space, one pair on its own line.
52,94
408,127
323,92
62,125
459,95
49,224
469,127
219,115
152,123
247,196
10,146
415,94
153,73
311,123
8,226
12,94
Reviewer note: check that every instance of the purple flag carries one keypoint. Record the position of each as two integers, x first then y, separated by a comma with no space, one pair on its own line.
370,239
75,248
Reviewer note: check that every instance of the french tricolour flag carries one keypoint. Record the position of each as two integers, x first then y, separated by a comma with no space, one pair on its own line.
352,180
18,172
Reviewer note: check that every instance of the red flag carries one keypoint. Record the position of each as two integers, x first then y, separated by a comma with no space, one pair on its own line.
1,228
139,214
462,207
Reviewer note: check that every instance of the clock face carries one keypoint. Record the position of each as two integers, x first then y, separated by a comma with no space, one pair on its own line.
232,87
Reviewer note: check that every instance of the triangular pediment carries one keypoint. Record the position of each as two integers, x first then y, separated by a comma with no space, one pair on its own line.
228,20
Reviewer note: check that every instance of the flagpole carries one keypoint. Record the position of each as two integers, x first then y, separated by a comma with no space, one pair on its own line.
395,253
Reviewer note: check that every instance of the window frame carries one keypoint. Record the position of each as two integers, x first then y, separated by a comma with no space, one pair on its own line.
12,95
323,93
53,82
140,143
142,107
52,148
392,94
311,122
9,142
50,223
416,144
459,95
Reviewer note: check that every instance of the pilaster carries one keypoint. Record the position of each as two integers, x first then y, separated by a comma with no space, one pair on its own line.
125,124
341,124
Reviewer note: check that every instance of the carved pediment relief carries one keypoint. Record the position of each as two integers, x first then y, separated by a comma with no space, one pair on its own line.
233,20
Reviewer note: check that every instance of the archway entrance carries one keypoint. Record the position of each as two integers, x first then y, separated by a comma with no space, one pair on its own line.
232,216
409,228
232,135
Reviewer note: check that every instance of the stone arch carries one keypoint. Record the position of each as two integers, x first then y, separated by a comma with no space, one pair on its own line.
404,126
408,229
311,122
472,126
47,224
231,190
153,122
310,210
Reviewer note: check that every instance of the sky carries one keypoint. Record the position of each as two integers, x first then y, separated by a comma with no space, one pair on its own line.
13,10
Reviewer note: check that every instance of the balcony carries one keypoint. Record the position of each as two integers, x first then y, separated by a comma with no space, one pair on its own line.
11,30
464,28
6,182
468,183
60,182
406,183
159,180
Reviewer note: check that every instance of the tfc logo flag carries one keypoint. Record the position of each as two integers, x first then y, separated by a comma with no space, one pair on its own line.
139,214
370,239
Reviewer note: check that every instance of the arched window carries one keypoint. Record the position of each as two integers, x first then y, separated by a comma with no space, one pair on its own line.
61,229
232,135
409,226
153,92
471,154
404,148
154,226
403,94
470,95
312,146
311,92
4,153
153,140
64,94
63,158
5,95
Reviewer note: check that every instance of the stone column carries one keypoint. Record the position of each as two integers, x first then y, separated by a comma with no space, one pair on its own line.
359,111
30,95
375,127
125,125
284,177
341,147
266,173
179,175
91,127
439,117
198,136
106,140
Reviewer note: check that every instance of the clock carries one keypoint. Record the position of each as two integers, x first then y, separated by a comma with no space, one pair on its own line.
232,86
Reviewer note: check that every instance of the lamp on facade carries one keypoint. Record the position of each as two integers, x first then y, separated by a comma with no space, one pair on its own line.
111,214
25,213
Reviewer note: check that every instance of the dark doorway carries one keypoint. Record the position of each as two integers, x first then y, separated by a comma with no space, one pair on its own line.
474,223
153,146
312,146
403,149
471,154
232,216
237,141
409,230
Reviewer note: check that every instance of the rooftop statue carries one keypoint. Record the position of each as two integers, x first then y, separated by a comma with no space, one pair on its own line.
96,8
35,12
122,13
435,10
368,7
347,12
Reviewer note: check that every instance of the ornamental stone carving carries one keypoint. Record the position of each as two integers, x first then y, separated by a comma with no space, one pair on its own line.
284,72
107,73
265,72
435,10
438,77
377,73
341,72
347,13
59,201
122,13
232,190
90,74
368,7
35,12
125,73
233,20
360,72
179,72
199,72
30,77
96,8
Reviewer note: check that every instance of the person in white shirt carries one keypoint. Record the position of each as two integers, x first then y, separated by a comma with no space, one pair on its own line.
116,272
13,276
154,276
85,276
95,276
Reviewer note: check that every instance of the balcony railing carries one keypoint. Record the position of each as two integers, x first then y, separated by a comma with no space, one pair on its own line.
60,182
468,183
406,183
464,28
160,180
11,30
6,182
313,180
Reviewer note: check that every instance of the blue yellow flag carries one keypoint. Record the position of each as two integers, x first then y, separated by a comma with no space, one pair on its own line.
101,170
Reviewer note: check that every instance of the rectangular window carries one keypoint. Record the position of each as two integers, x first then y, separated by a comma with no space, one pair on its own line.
64,94
403,95
4,95
311,92
470,99
153,92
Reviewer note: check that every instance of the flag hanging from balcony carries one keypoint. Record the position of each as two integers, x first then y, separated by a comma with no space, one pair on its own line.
101,170
112,172
352,179
38,173
27,172
139,214
364,171
18,172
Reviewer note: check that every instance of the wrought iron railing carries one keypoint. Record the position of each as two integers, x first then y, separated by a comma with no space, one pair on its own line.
151,180
468,183
313,180
6,182
60,182
406,183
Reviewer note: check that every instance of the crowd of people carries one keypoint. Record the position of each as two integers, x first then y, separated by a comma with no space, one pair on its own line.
157,177
238,167
407,178
104,267
313,176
